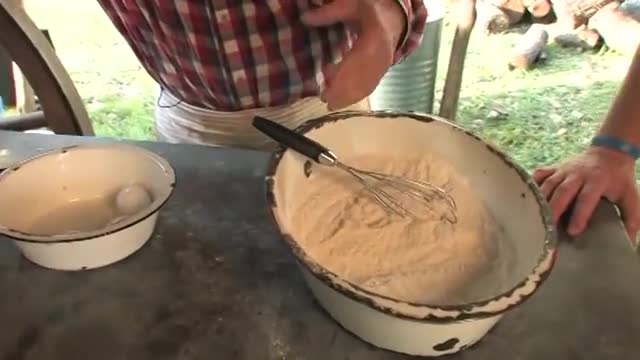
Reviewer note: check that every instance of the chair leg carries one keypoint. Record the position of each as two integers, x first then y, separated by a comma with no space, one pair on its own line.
30,49
30,121
465,14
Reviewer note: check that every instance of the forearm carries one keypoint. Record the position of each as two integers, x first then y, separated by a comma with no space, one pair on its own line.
623,120
416,16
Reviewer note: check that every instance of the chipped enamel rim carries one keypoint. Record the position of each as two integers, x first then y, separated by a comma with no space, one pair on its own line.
416,311
151,209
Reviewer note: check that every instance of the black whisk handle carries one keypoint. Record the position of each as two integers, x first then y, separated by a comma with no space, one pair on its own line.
290,138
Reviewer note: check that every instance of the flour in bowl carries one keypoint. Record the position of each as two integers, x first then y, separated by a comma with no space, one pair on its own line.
421,260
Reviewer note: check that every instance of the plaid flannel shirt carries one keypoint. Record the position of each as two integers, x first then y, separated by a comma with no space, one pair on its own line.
231,55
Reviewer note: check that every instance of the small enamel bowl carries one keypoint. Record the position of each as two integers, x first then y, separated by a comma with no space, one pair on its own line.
63,209
507,190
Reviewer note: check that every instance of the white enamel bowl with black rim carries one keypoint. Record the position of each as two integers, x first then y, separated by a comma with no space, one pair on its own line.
58,207
507,190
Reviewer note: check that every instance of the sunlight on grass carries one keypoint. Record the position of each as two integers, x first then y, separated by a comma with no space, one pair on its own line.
117,91
119,117
539,116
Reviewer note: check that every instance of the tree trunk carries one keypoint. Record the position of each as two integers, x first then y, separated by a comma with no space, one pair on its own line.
581,38
496,16
491,19
619,31
529,48
513,8
565,16
538,8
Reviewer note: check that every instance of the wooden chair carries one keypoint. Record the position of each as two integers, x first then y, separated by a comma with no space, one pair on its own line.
63,111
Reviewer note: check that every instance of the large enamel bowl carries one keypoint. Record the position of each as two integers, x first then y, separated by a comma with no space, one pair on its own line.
507,190
73,188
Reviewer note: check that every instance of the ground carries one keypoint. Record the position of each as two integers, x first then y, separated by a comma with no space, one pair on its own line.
538,117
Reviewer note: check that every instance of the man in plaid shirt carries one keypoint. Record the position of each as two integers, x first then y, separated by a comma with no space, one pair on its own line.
220,62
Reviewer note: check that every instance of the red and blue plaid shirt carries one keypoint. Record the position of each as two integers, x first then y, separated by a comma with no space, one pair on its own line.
231,55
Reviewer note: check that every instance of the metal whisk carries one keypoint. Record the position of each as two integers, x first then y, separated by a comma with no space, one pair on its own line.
374,182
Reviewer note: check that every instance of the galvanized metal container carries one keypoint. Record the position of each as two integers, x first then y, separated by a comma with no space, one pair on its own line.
410,84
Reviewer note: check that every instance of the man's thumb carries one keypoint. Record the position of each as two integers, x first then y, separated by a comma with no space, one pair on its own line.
337,11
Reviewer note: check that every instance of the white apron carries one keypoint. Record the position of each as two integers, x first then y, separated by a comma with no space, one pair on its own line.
179,122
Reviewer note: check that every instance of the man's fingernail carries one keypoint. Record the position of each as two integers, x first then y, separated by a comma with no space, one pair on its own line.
573,230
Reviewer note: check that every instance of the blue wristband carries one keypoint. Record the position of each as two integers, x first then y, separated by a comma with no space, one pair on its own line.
617,144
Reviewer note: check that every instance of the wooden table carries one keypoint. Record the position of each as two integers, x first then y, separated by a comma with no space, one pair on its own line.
215,282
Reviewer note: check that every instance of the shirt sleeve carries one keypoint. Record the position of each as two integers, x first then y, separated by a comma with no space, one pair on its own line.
416,15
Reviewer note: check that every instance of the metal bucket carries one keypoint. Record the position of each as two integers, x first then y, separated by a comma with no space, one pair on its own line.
410,84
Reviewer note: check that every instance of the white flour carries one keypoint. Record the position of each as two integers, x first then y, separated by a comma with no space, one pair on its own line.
425,260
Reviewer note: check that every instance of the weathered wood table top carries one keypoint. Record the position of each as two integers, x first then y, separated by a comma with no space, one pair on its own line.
215,282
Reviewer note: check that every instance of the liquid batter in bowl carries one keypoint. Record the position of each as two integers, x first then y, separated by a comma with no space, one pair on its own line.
423,260
79,215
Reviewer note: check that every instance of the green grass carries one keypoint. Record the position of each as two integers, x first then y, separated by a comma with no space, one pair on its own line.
123,116
117,91
539,117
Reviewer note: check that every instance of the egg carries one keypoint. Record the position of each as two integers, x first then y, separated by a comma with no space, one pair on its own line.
132,199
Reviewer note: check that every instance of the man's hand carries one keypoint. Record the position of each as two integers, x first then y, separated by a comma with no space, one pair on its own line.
380,25
596,173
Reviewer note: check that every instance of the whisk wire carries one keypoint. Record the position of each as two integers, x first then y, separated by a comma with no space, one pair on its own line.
382,197
424,192
374,182
421,191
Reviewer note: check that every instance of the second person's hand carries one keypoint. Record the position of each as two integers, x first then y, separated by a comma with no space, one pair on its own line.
585,179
